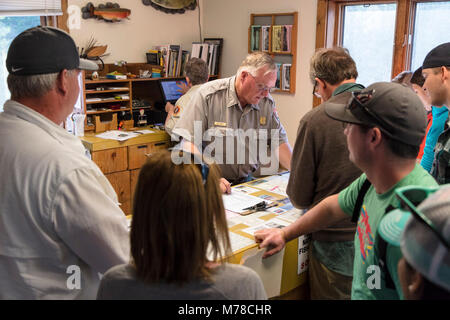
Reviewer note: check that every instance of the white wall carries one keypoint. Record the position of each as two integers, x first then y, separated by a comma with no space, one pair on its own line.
129,39
230,20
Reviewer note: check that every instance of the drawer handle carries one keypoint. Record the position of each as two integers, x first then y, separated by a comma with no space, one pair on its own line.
159,144
144,146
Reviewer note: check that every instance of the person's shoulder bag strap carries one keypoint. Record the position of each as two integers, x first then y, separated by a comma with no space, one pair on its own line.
362,192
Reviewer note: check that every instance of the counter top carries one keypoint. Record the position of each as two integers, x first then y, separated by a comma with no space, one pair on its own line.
93,143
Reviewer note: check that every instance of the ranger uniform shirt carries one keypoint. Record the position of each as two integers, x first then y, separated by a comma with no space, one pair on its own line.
217,124
180,107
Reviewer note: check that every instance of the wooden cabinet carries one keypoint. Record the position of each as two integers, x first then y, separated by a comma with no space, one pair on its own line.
121,183
137,154
111,160
121,161
276,34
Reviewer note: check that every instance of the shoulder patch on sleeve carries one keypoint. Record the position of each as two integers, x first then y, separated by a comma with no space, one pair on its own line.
177,110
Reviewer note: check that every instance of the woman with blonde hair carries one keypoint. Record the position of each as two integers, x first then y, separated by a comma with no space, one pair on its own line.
178,234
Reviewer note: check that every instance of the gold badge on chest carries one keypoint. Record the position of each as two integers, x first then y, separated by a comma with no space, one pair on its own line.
220,124
262,120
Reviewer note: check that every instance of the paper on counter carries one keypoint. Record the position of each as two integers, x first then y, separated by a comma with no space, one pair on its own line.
269,270
250,220
144,131
236,201
238,242
272,223
275,184
117,135
245,189
292,215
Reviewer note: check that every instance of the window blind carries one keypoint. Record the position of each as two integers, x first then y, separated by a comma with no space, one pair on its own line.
30,8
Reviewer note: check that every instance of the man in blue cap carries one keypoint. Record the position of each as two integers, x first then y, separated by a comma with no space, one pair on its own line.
436,71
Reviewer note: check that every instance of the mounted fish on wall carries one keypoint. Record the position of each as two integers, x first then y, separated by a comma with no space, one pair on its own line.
109,12
171,6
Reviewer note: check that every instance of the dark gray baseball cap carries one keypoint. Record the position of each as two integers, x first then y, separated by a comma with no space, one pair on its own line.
394,108
42,50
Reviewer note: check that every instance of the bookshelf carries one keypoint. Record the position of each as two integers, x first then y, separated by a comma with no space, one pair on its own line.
276,34
108,102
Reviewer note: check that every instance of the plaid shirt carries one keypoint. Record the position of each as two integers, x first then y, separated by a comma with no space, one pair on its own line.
441,165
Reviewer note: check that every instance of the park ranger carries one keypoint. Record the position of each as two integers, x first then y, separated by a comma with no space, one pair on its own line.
234,121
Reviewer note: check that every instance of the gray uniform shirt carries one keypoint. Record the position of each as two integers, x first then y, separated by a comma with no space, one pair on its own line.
181,106
236,136
229,282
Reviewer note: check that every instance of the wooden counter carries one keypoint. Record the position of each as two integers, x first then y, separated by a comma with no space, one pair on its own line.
121,161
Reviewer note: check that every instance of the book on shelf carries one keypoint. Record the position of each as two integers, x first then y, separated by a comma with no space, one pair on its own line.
184,59
171,58
281,38
286,76
265,38
209,51
286,34
276,38
278,82
164,54
175,57
255,38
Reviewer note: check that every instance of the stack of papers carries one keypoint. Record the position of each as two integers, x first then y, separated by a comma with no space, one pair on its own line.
238,201
118,135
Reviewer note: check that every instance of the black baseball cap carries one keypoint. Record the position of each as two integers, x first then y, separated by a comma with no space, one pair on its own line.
394,108
42,50
438,57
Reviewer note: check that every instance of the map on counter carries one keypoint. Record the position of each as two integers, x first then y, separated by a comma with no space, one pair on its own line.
276,184
238,242
272,223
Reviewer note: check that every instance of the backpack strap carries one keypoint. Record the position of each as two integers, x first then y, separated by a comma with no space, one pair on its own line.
359,200
382,258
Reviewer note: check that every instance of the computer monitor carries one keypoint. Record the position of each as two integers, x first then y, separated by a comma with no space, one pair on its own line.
171,89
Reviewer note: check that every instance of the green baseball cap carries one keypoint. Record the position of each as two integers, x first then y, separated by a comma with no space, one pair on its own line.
424,243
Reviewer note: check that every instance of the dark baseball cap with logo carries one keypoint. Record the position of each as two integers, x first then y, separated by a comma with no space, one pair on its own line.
438,57
393,108
43,50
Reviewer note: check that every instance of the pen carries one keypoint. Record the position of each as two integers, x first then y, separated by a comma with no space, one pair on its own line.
259,205
262,206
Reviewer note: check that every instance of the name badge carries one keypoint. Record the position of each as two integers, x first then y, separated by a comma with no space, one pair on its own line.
220,124
262,120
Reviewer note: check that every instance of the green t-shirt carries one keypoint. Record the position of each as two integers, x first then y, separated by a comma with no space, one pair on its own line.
368,278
